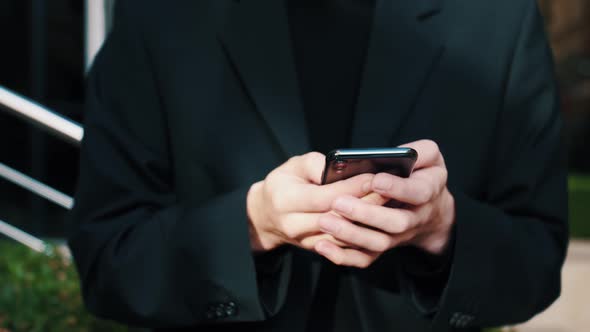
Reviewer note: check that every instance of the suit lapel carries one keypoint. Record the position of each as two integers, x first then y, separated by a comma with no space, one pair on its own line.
403,50
257,40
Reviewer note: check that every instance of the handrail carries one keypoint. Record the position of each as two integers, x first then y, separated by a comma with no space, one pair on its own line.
40,116
24,238
53,123
36,187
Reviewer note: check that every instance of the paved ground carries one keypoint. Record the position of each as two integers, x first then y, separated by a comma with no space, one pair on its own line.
571,312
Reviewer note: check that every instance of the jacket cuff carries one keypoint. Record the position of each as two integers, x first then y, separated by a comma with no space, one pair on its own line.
273,269
424,276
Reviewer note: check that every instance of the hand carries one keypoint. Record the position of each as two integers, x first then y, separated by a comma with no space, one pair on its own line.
374,229
285,207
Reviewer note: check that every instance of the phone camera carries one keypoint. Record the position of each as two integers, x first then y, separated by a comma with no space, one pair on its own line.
340,166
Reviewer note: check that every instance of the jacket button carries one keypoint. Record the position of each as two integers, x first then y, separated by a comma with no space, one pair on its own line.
456,319
460,319
230,311
220,310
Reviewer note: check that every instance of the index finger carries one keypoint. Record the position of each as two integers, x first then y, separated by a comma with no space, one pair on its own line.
315,198
418,189
428,153
307,167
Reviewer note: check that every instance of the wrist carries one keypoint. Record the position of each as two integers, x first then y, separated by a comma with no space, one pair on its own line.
437,241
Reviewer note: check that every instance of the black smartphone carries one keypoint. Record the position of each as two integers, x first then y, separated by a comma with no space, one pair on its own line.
342,164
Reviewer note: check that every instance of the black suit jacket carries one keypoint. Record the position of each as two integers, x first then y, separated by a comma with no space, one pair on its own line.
191,102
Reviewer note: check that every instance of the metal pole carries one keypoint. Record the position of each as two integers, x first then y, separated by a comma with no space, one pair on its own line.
36,187
27,239
41,117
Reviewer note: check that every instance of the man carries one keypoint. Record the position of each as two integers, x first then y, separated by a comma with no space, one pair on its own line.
199,204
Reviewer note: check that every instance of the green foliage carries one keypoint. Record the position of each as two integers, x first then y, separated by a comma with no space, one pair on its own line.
40,293
579,200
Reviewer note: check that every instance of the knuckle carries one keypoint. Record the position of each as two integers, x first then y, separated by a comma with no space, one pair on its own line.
343,232
355,212
311,159
365,177
444,174
294,160
402,225
314,155
426,194
432,145
289,231
279,202
402,189
422,193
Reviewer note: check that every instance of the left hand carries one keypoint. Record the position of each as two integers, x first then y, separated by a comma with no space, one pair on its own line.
425,221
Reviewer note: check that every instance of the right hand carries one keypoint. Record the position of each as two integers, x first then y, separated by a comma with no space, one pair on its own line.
285,207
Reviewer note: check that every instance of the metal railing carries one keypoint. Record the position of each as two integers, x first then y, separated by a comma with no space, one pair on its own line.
98,21
41,117
53,124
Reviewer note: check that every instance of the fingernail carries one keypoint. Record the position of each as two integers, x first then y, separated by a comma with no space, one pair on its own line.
381,183
329,226
343,205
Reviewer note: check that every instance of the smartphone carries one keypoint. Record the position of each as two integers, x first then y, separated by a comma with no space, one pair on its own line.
342,164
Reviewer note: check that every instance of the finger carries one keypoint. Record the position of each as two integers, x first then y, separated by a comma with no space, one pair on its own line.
354,235
418,189
345,257
375,199
303,229
308,167
386,219
295,226
403,238
313,198
428,153
309,242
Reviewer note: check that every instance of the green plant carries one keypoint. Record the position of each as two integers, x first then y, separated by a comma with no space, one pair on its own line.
42,293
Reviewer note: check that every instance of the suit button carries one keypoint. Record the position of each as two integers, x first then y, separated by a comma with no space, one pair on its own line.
231,311
220,310
454,319
457,320
460,319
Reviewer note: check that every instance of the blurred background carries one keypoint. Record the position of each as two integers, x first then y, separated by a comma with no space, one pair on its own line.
46,48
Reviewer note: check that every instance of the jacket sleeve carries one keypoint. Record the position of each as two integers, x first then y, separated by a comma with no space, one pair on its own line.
145,257
510,245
